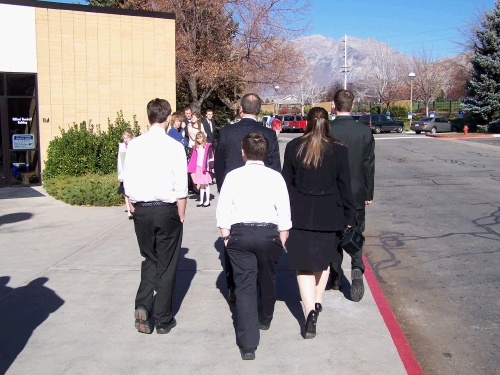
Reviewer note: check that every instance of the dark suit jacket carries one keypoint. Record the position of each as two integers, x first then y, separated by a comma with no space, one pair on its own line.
320,199
211,134
359,141
228,152
186,134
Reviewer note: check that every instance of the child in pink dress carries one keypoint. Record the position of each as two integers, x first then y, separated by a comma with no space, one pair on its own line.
200,164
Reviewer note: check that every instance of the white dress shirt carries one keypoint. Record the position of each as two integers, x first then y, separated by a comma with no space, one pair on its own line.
155,168
254,193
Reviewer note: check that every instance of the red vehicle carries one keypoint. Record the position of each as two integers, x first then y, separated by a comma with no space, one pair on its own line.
297,123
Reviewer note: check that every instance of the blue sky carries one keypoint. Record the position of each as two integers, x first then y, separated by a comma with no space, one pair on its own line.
406,26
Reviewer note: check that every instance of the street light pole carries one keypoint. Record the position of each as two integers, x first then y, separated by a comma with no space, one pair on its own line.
276,88
411,76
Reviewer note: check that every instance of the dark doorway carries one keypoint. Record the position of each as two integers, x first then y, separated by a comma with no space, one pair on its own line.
19,138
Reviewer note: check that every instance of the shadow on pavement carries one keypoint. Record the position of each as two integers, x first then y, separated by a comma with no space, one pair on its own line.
14,218
22,310
186,270
221,282
20,192
287,289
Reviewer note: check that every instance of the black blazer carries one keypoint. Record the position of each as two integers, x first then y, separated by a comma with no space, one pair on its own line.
211,134
228,152
359,141
320,199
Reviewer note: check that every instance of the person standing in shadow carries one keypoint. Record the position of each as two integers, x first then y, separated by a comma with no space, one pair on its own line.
22,310
316,172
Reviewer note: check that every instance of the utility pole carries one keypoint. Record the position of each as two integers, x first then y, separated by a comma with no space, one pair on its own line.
345,68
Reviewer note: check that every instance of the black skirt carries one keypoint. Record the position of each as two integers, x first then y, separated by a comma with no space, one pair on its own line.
310,250
121,190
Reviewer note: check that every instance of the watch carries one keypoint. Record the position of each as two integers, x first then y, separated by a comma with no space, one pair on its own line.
226,238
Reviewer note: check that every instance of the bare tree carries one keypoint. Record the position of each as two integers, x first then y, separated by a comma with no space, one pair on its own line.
386,78
228,47
429,78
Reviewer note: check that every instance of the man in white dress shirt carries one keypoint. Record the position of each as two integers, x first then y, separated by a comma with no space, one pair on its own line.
155,180
253,214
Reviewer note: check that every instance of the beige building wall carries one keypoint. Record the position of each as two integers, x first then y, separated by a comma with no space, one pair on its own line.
92,65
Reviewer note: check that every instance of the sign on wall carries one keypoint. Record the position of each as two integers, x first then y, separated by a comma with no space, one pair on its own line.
23,141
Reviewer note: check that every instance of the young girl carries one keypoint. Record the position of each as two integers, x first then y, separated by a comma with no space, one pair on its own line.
193,128
127,136
199,169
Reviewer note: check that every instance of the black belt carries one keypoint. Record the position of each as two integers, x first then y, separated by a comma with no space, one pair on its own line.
154,204
264,225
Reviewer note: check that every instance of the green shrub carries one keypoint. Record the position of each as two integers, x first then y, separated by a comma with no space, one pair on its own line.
74,153
108,143
87,190
398,112
84,149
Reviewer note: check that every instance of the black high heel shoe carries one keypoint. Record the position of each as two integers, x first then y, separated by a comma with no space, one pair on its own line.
318,307
310,327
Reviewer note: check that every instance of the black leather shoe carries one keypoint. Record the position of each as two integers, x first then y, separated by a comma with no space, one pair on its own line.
264,327
247,353
310,327
199,205
318,307
206,205
231,296
142,322
357,286
164,328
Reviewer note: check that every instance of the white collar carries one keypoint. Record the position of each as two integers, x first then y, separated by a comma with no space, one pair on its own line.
254,162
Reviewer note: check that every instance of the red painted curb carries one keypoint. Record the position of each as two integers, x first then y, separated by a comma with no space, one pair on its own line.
458,136
405,353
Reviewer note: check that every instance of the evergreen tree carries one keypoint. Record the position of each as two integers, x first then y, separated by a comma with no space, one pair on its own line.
485,84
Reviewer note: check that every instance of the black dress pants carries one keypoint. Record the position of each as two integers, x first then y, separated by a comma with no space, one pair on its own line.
356,259
159,235
254,254
228,268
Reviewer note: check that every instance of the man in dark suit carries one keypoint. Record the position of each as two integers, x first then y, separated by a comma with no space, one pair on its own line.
361,149
210,128
228,155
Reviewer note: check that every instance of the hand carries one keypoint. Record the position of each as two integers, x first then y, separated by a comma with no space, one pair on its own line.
349,227
225,243
367,203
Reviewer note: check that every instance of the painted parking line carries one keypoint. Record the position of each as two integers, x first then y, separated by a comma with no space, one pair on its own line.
404,350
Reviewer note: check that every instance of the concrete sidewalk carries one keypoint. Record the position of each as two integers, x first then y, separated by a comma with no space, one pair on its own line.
68,281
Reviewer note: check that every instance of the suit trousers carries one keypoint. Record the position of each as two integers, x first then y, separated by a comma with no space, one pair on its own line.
254,253
159,235
356,259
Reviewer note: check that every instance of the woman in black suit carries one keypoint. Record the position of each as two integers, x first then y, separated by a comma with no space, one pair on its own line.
316,171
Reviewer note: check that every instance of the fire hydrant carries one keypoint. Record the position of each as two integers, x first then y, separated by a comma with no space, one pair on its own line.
466,130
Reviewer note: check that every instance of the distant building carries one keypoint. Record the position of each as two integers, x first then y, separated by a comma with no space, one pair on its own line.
66,63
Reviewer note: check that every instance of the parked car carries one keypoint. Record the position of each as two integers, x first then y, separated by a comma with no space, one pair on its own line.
434,125
356,117
292,122
265,121
299,123
381,123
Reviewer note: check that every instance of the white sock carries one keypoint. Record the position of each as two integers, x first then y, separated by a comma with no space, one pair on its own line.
207,189
202,192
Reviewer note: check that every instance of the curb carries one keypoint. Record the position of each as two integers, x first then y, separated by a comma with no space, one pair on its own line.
458,136
404,350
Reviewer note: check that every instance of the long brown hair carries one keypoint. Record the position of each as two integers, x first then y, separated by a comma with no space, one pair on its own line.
316,137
